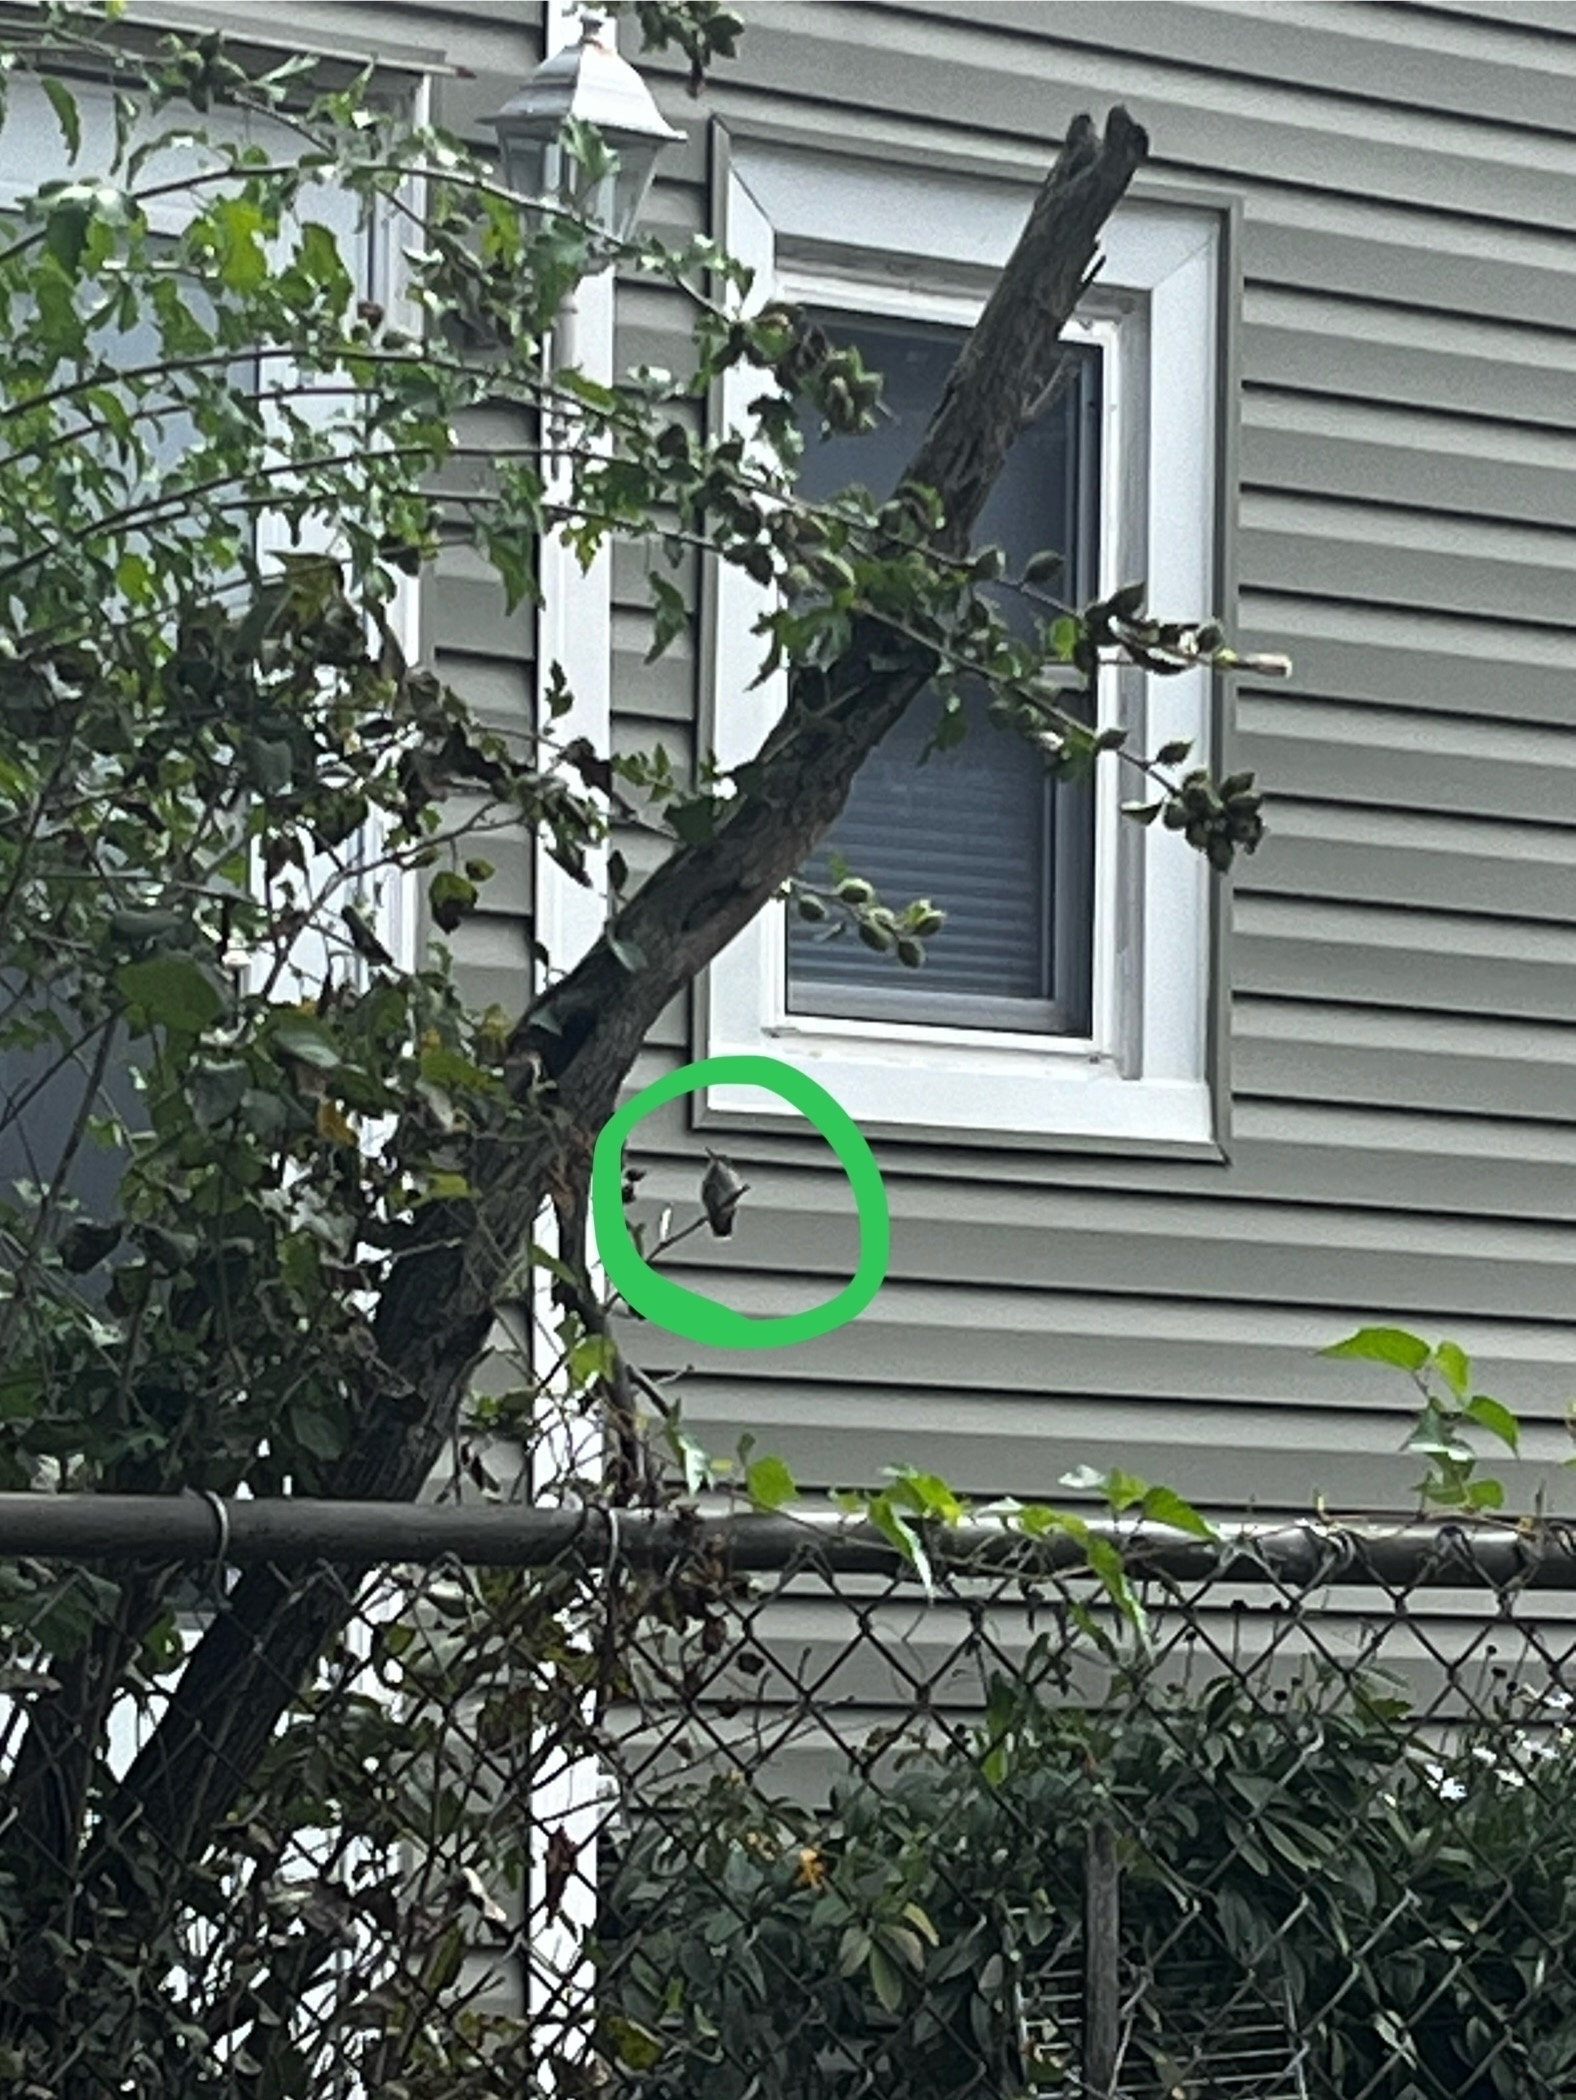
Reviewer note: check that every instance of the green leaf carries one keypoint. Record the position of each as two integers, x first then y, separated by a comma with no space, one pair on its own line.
1122,1490
593,1356
1106,1562
307,1041
671,616
1451,1362
1495,1418
636,2047
1383,1345
695,1461
63,103
65,237
695,821
591,391
451,897
441,1066
1163,1505
894,1526
885,1979
236,224
769,1483
1485,1494
905,1943
316,1432
172,991
134,578
852,1950
264,1114
926,1492
270,763
215,1089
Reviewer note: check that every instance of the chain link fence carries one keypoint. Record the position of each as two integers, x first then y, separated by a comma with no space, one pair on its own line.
742,1809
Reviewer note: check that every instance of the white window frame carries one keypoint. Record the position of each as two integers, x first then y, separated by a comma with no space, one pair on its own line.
811,226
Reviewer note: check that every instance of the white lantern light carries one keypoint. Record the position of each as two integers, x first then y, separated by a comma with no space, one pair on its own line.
587,81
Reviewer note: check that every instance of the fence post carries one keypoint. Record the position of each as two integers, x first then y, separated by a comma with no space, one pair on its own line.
1102,1960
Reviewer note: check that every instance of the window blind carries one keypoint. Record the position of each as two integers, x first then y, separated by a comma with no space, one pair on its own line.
978,829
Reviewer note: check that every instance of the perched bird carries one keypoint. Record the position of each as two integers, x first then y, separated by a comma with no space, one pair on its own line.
720,1190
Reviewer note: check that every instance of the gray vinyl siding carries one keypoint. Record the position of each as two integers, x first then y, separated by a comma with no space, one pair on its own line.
1401,1050
1401,995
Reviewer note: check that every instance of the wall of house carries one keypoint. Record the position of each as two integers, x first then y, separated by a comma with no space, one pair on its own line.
1403,1125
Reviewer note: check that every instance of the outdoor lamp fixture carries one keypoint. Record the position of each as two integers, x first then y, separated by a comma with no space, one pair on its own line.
590,82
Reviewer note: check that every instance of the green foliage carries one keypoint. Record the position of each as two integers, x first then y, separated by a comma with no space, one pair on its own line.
1409,1907
1450,1410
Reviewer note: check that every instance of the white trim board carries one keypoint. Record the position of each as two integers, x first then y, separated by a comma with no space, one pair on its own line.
898,241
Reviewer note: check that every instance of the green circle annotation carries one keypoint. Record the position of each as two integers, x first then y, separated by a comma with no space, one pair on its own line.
691,1313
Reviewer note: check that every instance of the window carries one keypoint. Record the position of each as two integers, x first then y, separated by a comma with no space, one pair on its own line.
1068,998
978,826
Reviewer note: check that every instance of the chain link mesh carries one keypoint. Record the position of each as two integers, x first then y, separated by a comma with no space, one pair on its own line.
651,1826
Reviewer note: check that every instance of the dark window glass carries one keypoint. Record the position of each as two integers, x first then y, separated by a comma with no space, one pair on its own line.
978,829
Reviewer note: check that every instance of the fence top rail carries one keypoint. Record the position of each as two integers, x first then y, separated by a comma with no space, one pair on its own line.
295,1530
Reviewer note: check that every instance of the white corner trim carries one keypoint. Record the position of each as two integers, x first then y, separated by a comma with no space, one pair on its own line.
1143,1078
575,623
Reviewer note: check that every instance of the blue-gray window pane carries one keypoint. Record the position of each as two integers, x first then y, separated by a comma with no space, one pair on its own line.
977,829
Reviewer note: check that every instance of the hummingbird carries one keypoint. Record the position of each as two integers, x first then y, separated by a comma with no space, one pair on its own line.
720,1190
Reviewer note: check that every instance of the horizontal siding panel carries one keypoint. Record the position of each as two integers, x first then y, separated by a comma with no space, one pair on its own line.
1370,53
1327,749
664,691
492,960
1464,1065
1289,1152
1401,857
1436,961
1424,657
860,58
503,692
469,615
1373,353
631,735
1230,1445
1547,23
498,839
1381,259
1320,445
1028,1240
655,327
1410,1163
632,563
1018,1346
1360,552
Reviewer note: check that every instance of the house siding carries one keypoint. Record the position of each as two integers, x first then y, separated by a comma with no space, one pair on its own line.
1402,1128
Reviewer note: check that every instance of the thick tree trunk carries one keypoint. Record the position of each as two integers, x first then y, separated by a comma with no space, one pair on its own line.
436,1310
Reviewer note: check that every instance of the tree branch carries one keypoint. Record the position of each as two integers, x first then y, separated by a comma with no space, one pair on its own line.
437,1307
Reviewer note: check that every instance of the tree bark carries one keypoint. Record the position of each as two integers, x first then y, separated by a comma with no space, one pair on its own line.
436,1309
